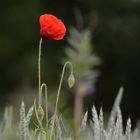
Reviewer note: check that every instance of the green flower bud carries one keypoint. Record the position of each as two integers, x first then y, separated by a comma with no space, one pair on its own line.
40,113
71,80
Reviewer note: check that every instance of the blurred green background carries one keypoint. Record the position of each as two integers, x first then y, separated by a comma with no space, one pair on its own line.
115,36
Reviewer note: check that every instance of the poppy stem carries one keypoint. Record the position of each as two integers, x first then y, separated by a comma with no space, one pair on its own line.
39,72
58,94
60,84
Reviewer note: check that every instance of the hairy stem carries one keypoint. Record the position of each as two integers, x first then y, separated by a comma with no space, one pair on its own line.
58,94
39,72
46,108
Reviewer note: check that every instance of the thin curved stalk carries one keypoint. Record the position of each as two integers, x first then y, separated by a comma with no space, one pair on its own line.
58,94
39,71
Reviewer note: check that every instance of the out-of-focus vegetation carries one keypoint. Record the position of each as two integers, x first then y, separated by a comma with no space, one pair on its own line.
84,61
115,27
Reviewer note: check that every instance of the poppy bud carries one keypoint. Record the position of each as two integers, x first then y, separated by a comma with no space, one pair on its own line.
40,113
51,27
71,80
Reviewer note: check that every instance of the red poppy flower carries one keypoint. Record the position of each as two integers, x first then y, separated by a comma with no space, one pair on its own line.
51,27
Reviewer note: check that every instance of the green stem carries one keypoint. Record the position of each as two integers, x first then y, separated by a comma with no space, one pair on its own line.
60,84
39,71
58,94
46,107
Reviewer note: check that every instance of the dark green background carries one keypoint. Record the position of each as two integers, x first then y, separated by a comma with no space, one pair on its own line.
116,38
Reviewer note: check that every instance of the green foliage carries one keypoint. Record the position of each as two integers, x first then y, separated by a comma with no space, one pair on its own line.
79,52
